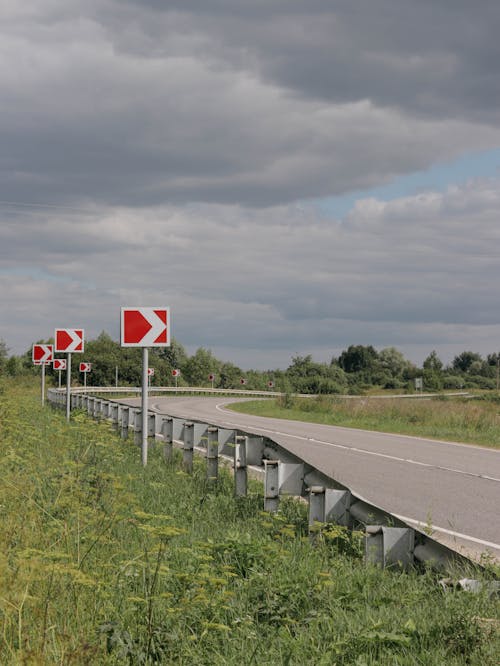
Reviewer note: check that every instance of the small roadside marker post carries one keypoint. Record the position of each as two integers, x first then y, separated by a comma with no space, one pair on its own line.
68,340
42,355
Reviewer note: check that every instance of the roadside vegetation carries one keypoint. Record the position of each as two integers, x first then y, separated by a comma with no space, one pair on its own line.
358,370
104,562
472,421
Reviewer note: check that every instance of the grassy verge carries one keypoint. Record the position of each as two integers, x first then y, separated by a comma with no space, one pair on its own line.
454,419
103,562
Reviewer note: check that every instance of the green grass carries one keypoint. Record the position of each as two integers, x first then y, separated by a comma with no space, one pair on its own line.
454,419
104,562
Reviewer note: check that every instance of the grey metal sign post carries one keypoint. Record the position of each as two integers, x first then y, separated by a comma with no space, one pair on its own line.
68,387
144,406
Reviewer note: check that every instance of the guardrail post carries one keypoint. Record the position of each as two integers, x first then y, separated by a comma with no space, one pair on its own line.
389,546
212,454
328,505
240,467
114,414
167,429
137,424
90,406
291,478
105,407
124,422
187,447
151,425
271,485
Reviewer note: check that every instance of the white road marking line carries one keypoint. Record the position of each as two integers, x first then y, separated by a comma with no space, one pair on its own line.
458,535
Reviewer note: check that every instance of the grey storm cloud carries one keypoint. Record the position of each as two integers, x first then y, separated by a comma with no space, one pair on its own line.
149,103
282,278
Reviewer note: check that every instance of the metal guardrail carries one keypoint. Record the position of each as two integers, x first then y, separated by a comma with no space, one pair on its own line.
388,540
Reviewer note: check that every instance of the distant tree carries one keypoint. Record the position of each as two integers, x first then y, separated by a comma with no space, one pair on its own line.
464,361
197,368
229,376
4,355
393,362
433,362
357,358
308,376
175,355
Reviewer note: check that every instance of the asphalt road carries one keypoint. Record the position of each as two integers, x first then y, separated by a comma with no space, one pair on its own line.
453,487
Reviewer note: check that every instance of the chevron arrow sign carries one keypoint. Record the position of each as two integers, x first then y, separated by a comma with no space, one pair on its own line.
42,354
59,364
69,340
145,327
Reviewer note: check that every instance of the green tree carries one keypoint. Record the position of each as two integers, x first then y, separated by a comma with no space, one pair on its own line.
433,362
357,358
4,355
197,368
175,355
393,362
466,361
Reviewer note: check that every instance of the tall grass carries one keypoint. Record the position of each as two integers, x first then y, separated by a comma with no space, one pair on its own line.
470,421
104,562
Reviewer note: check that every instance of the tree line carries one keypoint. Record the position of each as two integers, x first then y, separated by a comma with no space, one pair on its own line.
358,368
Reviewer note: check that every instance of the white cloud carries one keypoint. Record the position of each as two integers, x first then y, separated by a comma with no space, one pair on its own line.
418,273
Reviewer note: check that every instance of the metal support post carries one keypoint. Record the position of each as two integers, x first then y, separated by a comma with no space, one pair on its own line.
125,422
212,453
327,505
43,383
144,405
167,427
187,447
271,485
389,546
68,388
114,414
240,467
151,425
137,426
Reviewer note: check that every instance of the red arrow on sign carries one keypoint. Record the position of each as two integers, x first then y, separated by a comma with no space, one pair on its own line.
69,340
85,367
145,327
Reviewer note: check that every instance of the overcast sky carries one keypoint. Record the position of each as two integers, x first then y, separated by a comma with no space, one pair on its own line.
290,176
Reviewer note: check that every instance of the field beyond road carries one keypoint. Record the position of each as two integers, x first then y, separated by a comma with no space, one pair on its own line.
105,562
470,421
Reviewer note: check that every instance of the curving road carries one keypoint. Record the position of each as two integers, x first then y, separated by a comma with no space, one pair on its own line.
453,487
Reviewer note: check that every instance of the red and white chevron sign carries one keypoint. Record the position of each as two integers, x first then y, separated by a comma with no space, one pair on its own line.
145,327
59,364
151,372
85,367
69,340
176,373
42,354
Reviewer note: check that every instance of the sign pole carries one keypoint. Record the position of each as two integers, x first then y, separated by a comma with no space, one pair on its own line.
116,375
68,388
43,383
145,379
59,379
85,382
